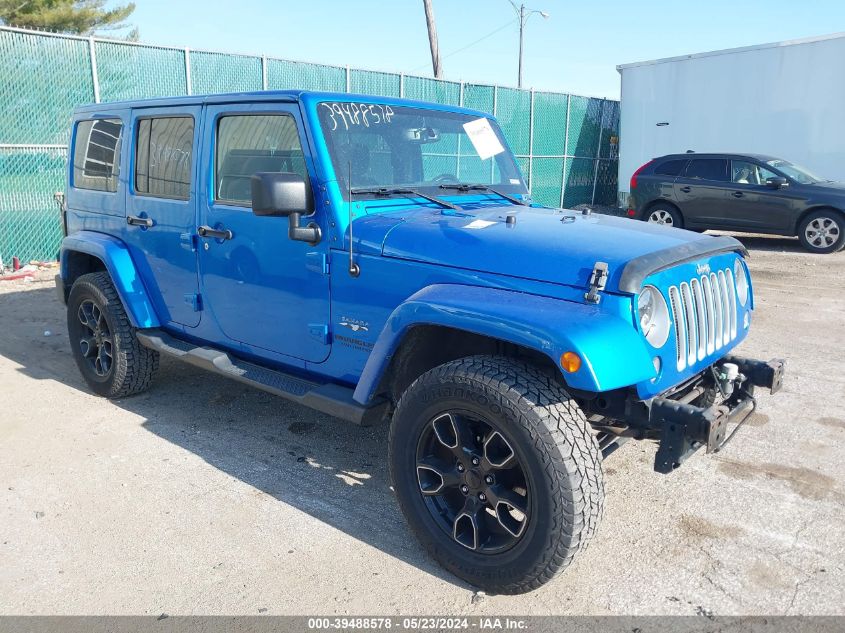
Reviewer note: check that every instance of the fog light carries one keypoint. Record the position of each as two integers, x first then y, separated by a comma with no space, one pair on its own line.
570,361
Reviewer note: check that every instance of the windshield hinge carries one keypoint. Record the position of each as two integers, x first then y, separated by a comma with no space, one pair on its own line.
598,280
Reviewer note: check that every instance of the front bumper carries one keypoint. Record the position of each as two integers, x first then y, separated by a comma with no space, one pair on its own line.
684,428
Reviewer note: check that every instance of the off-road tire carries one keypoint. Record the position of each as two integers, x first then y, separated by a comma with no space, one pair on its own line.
838,224
553,442
668,211
132,365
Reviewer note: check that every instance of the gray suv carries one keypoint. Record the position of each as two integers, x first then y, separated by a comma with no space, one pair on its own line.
740,192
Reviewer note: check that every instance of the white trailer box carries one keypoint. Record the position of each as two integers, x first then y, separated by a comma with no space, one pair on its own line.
784,99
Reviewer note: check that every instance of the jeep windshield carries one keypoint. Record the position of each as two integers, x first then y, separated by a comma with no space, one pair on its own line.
398,150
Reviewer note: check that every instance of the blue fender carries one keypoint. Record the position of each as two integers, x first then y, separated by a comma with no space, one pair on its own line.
613,353
115,255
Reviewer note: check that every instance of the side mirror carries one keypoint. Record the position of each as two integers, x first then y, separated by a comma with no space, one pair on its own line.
776,182
283,194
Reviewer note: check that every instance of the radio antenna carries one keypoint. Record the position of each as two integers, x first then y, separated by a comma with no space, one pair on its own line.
354,269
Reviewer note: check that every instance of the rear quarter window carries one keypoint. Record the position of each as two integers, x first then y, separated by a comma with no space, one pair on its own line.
708,169
96,154
670,168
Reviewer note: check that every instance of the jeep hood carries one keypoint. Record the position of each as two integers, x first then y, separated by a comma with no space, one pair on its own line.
550,245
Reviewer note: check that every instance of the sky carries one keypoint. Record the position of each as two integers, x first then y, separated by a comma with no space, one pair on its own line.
575,50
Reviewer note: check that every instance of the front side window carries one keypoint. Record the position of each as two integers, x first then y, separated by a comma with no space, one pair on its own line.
163,157
799,174
248,144
96,155
708,169
391,146
746,173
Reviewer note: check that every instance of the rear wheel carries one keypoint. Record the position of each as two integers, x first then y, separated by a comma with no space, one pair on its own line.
103,341
822,232
497,472
664,214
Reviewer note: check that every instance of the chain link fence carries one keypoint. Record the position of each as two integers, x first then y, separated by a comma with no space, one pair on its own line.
566,144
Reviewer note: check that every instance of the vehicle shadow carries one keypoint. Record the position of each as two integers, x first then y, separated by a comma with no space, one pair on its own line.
771,243
330,469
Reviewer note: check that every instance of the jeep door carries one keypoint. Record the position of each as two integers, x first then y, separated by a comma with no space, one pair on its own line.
700,191
752,205
161,209
263,289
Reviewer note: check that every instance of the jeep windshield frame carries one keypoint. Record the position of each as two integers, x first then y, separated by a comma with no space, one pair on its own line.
396,148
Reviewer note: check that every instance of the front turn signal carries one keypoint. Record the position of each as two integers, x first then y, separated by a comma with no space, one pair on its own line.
570,361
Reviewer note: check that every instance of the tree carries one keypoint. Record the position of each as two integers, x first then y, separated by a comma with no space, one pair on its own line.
82,17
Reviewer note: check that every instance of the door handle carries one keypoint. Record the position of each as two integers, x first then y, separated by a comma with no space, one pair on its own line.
220,234
132,220
737,194
686,189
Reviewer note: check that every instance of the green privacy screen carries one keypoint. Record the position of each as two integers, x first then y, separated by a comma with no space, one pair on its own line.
29,217
566,145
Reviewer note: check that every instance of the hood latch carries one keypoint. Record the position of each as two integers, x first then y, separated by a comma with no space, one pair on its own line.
598,280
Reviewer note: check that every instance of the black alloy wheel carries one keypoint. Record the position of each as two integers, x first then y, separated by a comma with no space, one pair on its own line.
94,339
472,482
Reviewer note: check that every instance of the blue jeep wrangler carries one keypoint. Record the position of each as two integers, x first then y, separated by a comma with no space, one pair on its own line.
380,260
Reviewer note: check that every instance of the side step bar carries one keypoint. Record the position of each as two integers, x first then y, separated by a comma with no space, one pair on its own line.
329,398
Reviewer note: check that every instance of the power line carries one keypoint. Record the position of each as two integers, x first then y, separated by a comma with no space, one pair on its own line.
471,44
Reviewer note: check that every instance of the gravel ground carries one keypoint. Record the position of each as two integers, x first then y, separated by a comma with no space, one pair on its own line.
203,496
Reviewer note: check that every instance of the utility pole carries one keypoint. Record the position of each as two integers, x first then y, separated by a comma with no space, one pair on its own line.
432,39
521,31
523,14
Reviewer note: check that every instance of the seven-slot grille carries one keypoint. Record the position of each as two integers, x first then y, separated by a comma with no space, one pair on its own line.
704,312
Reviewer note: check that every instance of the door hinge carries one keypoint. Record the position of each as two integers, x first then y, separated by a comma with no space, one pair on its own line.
319,332
317,262
188,241
195,301
598,280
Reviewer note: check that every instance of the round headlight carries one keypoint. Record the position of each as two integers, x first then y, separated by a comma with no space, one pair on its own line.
741,282
653,316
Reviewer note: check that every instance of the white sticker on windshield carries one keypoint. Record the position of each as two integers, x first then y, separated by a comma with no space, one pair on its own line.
483,138
479,224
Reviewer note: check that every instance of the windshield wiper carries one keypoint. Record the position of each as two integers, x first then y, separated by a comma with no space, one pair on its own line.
384,191
467,187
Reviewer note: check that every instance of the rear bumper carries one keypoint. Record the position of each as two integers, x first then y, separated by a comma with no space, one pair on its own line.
684,428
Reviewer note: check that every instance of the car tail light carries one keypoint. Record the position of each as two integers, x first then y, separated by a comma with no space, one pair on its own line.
637,173
632,213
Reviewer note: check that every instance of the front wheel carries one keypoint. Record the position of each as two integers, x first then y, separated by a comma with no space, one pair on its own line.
496,471
822,232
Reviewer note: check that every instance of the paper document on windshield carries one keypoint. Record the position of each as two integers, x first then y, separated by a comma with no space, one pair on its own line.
483,138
